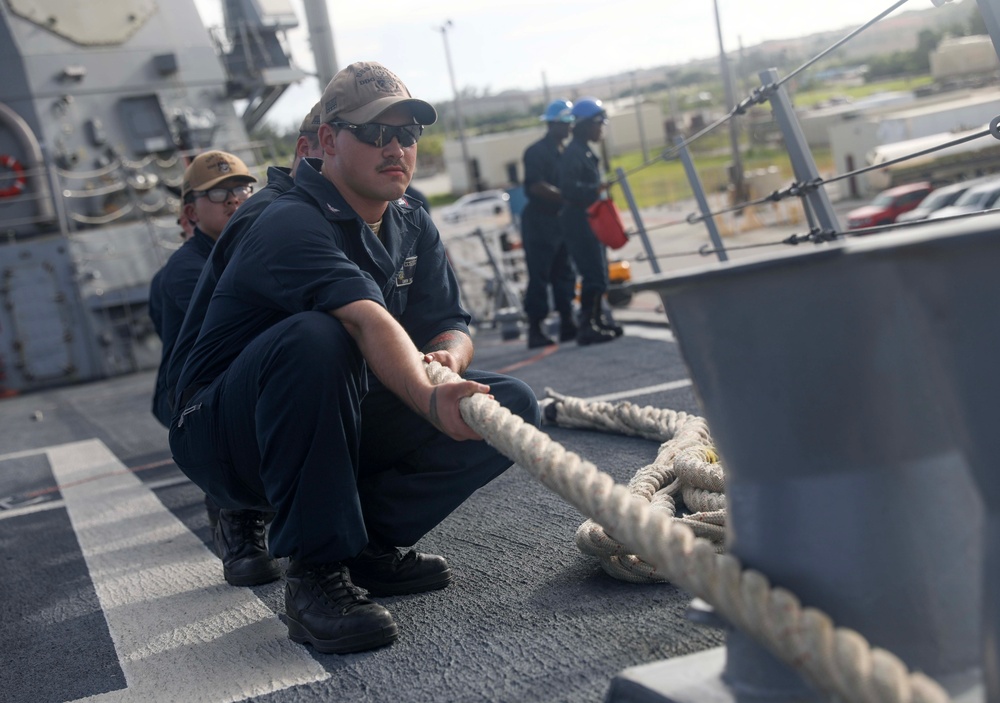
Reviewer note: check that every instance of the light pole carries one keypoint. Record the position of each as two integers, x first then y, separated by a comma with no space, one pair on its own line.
734,134
638,116
470,179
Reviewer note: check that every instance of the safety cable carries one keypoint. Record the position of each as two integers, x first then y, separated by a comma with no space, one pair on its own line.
773,197
665,225
895,226
843,41
900,159
818,236
763,93
757,96
800,189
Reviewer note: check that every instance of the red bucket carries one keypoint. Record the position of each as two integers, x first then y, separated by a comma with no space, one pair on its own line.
607,223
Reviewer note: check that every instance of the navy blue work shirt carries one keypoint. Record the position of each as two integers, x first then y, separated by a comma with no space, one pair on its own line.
278,181
541,165
579,174
310,251
170,294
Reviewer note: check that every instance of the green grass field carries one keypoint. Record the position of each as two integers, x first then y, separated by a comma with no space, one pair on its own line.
663,182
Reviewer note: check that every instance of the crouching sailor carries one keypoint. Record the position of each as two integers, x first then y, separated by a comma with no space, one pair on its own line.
305,392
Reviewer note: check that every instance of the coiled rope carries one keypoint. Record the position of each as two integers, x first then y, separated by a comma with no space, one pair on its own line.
837,660
686,467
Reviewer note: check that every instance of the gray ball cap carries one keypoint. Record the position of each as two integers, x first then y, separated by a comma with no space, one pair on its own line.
364,90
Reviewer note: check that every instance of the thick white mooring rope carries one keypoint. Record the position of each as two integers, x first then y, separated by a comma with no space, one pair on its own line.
686,465
835,660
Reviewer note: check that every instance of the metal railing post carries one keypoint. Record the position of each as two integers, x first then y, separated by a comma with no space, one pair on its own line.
634,207
990,10
699,196
798,152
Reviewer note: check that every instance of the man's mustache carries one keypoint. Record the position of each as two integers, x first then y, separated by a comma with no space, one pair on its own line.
392,164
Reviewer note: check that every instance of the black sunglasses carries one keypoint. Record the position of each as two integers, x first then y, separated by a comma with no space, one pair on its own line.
379,135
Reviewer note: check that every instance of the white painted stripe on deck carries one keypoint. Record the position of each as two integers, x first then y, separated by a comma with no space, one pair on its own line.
181,633
29,509
53,504
636,392
21,454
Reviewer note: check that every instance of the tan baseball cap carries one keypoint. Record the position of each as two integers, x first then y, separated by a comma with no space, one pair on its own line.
364,90
211,168
311,122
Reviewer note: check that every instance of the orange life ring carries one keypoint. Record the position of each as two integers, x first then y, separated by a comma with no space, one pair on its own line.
20,180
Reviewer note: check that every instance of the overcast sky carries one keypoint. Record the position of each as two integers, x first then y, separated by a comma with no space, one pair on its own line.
502,44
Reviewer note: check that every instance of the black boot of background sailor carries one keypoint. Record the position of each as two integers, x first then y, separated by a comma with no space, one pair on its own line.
567,327
606,321
590,331
536,337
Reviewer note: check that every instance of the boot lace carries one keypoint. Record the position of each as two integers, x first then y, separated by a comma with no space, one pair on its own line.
249,525
333,584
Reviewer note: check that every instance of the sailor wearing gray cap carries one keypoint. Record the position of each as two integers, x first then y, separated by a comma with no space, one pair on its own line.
305,392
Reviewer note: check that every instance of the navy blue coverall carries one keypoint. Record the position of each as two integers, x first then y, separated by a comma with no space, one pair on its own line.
545,251
579,182
277,410
170,293
278,181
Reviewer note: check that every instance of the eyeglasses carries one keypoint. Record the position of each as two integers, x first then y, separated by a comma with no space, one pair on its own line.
379,135
221,195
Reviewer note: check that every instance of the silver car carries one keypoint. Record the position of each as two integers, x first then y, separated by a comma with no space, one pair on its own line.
942,197
981,197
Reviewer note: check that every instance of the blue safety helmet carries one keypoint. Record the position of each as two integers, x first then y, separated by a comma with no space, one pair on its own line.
558,111
589,109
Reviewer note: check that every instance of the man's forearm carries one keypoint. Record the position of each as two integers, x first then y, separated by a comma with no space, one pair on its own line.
458,344
389,352
396,361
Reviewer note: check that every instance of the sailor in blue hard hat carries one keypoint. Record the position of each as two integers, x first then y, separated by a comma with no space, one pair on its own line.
581,186
545,251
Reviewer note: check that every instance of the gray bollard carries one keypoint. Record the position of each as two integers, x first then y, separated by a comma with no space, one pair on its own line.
846,482
954,277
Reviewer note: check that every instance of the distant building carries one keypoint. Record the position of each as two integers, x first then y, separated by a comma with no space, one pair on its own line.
854,139
961,57
816,123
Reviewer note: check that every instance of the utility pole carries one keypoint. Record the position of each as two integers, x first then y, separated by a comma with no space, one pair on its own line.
467,163
734,133
638,116
321,41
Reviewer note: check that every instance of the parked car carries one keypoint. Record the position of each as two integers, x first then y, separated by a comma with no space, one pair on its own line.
487,203
937,199
888,205
981,197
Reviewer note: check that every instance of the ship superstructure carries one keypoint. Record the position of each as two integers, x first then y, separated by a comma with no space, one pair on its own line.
101,105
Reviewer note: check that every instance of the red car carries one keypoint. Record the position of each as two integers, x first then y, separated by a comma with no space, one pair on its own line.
888,205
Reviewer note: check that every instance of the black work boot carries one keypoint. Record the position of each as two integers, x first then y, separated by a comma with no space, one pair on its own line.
384,571
590,330
605,321
323,608
239,542
537,338
567,329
